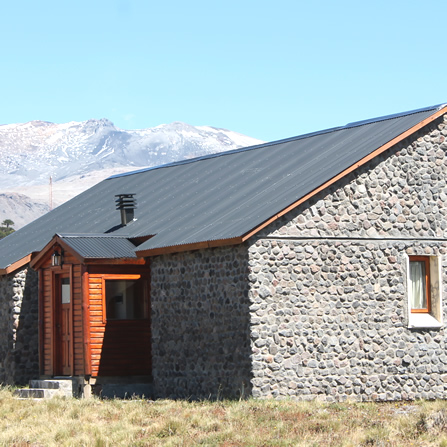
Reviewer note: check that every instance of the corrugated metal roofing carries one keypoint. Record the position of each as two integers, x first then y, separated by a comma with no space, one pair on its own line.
216,197
100,246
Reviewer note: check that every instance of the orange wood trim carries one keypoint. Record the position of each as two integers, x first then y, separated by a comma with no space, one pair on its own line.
188,247
120,261
121,276
86,321
103,301
16,265
103,288
105,269
347,171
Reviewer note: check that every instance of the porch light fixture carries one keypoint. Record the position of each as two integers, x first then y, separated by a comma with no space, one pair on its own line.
56,259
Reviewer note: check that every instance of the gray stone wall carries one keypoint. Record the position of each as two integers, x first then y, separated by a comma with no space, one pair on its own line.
401,193
329,322
328,283
201,324
19,355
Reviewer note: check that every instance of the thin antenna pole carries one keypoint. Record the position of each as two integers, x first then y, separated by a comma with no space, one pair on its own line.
51,193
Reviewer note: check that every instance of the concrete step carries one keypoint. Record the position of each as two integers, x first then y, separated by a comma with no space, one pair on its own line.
36,393
64,385
46,389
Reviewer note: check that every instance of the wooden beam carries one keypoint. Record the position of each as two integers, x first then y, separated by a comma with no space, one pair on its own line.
188,247
16,265
121,261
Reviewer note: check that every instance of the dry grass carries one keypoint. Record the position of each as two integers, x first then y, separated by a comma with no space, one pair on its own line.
95,422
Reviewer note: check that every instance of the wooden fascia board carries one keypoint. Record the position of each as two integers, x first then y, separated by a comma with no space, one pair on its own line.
188,247
16,265
347,171
44,252
41,254
115,261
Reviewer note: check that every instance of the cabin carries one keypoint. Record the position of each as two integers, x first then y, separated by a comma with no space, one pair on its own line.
309,268
80,295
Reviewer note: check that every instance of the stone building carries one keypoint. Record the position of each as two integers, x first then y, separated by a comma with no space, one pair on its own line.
311,268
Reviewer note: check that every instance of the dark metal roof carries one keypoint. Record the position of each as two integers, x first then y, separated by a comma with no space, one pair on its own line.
100,246
222,196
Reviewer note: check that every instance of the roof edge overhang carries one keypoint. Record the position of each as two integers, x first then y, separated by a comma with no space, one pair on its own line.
58,240
16,265
240,239
114,261
441,111
55,240
188,247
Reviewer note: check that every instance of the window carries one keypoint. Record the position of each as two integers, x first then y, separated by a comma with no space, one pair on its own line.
65,290
420,284
424,292
125,298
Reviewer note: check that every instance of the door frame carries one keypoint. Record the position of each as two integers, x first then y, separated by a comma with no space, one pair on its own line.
57,345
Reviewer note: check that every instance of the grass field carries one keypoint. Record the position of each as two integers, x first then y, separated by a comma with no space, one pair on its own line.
139,422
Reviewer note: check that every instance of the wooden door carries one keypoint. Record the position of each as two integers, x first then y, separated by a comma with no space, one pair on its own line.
64,327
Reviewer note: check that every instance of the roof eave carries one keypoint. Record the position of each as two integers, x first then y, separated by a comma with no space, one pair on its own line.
347,171
115,261
188,247
238,240
16,265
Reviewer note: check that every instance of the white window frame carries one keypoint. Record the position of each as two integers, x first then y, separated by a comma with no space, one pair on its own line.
432,319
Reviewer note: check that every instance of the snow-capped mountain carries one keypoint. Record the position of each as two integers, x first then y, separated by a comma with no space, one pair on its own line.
78,154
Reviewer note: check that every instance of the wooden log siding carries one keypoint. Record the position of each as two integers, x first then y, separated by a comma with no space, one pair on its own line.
97,327
78,336
72,267
118,347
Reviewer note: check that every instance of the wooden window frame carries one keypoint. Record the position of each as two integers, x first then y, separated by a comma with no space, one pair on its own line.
426,261
123,277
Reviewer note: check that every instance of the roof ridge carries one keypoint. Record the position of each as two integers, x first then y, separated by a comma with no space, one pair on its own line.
92,235
285,140
393,116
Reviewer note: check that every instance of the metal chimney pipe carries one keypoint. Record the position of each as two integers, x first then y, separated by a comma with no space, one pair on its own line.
127,204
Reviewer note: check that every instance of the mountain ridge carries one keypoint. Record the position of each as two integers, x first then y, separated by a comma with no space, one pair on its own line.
77,155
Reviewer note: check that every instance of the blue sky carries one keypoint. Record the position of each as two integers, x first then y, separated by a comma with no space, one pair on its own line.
266,69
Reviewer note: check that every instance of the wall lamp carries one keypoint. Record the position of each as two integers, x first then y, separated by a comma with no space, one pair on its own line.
56,258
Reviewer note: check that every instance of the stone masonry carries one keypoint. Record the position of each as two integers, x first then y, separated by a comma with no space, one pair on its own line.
328,291
201,324
315,306
19,358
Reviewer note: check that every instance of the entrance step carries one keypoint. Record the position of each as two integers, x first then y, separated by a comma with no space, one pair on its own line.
46,389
